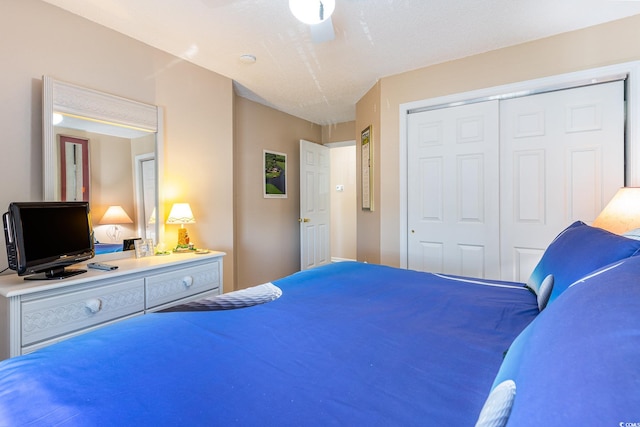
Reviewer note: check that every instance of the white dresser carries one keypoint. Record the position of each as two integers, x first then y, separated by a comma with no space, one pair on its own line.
35,314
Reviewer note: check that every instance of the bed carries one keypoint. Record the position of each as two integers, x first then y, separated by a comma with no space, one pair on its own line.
107,248
361,344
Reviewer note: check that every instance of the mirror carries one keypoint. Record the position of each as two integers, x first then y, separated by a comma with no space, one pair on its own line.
106,150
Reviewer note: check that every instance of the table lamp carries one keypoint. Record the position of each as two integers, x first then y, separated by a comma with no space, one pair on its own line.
181,214
115,215
622,214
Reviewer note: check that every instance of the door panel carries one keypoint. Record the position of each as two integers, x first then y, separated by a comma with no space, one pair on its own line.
453,192
315,212
491,184
562,159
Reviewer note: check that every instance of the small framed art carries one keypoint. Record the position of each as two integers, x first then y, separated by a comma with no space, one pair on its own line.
366,142
275,174
143,247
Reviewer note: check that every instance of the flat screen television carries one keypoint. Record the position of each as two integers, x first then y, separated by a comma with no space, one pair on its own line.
44,238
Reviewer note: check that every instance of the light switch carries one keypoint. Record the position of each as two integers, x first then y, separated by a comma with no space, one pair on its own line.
339,187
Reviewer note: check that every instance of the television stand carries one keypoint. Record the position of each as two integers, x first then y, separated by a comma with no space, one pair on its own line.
55,274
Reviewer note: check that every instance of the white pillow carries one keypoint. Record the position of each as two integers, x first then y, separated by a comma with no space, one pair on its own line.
633,234
497,408
544,292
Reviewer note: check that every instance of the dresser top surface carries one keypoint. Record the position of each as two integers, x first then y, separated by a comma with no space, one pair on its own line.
12,285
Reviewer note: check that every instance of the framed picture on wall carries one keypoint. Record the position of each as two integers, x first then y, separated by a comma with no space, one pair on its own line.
274,165
143,247
367,168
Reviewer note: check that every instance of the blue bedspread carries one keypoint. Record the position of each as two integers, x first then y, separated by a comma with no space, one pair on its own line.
346,344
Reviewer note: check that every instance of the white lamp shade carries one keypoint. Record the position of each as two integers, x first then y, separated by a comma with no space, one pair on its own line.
622,214
152,218
115,215
312,12
181,214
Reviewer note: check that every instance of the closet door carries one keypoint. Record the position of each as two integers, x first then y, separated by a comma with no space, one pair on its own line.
562,159
453,211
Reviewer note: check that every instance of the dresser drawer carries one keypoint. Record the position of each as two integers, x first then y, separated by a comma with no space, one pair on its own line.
55,315
175,285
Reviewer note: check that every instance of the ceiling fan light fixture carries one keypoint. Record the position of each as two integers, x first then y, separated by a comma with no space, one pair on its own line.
312,12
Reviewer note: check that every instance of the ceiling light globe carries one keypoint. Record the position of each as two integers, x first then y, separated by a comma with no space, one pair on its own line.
312,12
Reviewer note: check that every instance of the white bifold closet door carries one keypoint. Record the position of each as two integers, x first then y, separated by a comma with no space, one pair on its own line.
490,184
453,194
562,160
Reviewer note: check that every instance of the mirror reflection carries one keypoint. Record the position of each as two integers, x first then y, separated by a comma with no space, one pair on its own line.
103,149
108,166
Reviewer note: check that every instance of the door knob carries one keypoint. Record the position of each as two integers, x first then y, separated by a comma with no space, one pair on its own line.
303,220
187,281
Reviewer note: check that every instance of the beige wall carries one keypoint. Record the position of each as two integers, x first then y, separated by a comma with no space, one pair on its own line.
39,39
593,47
199,147
198,155
368,235
339,132
267,230
201,159
111,182
343,203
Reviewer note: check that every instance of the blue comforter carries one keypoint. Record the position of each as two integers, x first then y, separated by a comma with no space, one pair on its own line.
346,344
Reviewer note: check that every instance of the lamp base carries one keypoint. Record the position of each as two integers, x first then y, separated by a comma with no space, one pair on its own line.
113,233
183,237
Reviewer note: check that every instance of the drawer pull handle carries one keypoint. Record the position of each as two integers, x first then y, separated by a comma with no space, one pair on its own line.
187,281
94,305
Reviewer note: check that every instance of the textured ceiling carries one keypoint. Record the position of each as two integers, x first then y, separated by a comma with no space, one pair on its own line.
373,39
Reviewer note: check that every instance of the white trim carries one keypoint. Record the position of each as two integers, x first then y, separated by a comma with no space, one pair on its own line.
139,192
159,174
479,282
404,178
339,144
580,78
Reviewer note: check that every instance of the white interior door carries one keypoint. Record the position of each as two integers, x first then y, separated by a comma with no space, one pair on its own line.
315,212
453,194
562,159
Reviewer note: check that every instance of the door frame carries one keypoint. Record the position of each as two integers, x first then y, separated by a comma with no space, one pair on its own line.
629,71
339,144
141,197
84,160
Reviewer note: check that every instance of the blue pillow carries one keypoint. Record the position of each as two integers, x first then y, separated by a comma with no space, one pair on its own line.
576,252
577,362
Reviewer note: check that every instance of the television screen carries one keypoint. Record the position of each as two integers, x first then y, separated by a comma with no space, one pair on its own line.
46,237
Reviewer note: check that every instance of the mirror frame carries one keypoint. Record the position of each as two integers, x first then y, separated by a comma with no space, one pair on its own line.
90,104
